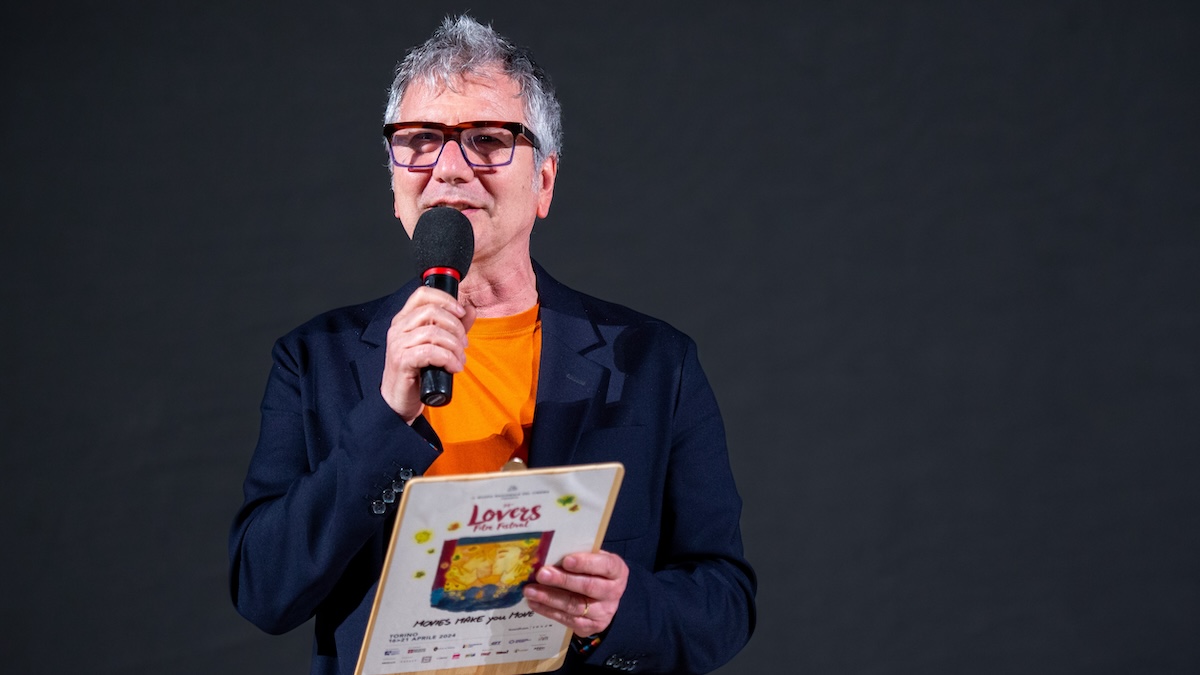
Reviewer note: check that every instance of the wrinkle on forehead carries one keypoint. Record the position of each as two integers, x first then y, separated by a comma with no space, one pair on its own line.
490,75
467,97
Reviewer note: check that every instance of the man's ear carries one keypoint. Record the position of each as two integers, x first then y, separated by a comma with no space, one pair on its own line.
545,185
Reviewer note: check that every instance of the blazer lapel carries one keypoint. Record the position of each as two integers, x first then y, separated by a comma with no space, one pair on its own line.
369,366
568,382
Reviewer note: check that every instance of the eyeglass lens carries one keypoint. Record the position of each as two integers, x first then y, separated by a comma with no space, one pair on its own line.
482,146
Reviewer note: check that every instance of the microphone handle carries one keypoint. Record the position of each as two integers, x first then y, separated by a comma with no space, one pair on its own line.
437,386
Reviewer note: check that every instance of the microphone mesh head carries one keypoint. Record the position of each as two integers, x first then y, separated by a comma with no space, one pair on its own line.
443,238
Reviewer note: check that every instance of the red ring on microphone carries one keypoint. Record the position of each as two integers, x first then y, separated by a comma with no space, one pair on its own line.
448,271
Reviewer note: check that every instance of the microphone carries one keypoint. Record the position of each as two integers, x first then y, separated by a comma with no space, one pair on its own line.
443,244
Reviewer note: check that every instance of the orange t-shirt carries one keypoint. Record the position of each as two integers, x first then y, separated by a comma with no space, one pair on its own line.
490,414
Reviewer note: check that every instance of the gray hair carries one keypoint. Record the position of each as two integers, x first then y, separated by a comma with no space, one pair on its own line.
462,46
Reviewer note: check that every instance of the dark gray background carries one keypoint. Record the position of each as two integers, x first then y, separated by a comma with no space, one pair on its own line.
940,259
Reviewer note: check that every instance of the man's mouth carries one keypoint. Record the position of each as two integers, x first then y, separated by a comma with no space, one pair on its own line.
458,206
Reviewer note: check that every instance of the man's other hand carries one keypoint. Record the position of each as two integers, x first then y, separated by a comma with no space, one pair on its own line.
582,593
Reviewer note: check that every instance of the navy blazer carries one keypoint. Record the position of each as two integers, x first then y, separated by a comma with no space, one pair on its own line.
614,385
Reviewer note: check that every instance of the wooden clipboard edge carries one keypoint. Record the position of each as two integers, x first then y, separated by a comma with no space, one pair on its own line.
387,565
512,667
601,530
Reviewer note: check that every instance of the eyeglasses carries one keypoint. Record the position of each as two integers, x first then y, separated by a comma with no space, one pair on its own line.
418,145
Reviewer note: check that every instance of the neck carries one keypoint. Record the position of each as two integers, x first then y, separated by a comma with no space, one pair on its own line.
508,290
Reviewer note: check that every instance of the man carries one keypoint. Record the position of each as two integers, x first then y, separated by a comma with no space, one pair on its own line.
550,377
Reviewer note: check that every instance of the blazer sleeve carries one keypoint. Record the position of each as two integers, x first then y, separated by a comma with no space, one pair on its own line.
692,609
322,458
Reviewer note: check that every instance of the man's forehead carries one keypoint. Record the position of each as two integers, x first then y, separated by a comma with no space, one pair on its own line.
474,93
489,76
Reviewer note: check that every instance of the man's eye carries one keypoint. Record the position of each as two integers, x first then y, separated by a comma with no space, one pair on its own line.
488,142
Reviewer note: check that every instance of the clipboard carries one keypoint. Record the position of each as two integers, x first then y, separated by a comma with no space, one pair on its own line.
449,600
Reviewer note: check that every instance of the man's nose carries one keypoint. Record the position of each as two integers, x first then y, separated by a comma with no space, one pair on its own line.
452,166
